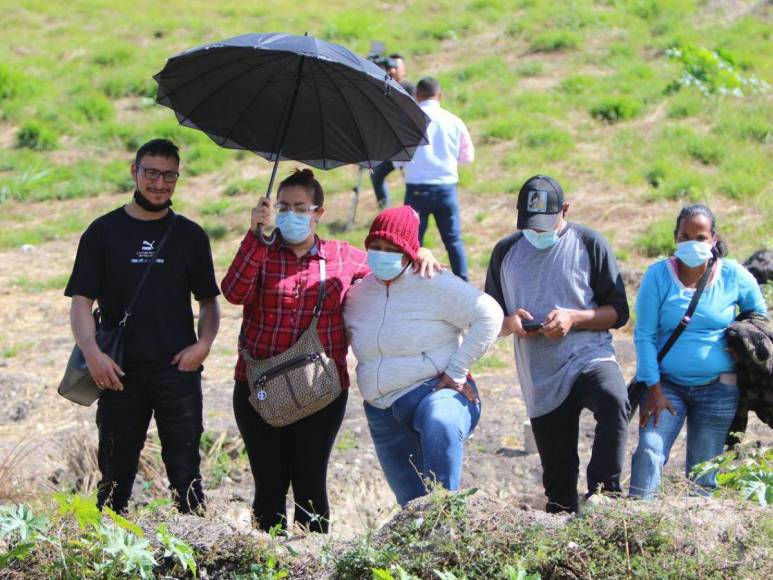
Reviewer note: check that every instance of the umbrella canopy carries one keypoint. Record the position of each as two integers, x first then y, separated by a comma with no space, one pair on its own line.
293,97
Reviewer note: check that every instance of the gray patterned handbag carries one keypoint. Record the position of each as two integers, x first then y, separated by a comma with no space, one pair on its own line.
298,382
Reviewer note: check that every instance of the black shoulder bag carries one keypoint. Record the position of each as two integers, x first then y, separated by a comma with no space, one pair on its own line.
77,384
637,388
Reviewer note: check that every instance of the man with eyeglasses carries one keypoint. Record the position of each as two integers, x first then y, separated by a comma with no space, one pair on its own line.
163,356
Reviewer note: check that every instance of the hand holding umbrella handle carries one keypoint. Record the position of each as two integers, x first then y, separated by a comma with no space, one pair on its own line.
266,239
260,218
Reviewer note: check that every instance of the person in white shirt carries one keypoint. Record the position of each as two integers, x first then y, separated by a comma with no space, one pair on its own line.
432,175
415,340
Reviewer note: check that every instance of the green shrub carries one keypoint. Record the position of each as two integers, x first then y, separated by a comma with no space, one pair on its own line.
115,134
712,72
36,136
114,56
685,104
674,181
242,186
658,241
353,25
554,41
215,231
501,129
614,109
124,84
94,108
533,68
217,207
492,67
11,83
747,469
577,84
78,543
706,150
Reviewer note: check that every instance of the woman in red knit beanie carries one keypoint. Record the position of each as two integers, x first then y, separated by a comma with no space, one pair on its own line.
415,340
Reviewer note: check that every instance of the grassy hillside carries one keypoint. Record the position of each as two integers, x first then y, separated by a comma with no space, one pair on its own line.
637,106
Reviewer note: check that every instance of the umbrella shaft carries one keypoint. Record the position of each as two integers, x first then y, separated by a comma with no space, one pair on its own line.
285,126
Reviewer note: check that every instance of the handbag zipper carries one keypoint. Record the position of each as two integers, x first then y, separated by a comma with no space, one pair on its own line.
292,363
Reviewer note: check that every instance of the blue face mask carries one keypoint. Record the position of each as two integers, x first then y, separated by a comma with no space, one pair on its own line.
385,265
693,253
295,228
541,240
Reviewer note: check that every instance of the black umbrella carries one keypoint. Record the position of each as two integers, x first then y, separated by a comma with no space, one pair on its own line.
293,97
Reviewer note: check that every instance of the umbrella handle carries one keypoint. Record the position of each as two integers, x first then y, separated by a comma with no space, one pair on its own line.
266,240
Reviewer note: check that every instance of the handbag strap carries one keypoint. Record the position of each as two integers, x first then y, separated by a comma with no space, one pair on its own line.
128,312
688,314
321,294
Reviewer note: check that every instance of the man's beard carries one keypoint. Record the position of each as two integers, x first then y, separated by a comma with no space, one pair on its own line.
143,202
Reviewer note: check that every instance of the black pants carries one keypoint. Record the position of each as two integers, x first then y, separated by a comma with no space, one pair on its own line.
123,417
601,389
297,454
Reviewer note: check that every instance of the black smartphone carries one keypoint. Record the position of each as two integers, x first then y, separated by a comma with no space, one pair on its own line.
531,325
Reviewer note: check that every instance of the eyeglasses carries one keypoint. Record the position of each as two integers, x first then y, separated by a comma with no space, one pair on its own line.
153,174
299,208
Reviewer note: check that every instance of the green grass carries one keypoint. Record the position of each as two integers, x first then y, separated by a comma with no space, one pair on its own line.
609,83
37,136
38,285
35,235
489,363
658,241
346,441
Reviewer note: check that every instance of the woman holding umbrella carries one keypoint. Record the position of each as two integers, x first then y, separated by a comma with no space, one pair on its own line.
278,284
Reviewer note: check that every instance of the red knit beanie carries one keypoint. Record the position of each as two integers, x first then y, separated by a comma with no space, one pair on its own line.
399,226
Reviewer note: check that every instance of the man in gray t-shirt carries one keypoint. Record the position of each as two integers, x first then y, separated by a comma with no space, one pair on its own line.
561,291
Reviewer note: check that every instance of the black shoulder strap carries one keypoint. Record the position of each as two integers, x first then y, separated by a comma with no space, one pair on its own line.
688,314
321,293
128,312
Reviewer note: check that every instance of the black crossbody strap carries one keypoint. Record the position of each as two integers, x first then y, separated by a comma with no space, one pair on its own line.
688,314
321,293
128,312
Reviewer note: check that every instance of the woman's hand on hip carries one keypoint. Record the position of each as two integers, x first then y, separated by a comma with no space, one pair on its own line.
465,389
655,404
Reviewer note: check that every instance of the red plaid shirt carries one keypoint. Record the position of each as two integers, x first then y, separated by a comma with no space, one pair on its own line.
279,292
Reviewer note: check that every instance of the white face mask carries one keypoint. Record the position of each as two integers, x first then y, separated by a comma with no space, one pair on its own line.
541,240
295,228
385,265
693,253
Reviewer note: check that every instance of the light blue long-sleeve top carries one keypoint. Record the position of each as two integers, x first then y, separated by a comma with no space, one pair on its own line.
698,357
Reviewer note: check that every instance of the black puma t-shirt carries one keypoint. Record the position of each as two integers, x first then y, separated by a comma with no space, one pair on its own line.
112,256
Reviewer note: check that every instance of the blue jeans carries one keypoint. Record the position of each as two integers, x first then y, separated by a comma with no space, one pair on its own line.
378,179
422,435
441,201
709,411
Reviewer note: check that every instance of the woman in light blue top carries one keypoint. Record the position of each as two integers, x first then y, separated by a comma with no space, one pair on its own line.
696,379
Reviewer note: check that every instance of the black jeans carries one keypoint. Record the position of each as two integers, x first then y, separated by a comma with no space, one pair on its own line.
297,454
601,389
123,417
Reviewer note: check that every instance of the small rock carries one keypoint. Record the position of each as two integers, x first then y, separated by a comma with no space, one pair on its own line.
19,413
26,248
58,476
